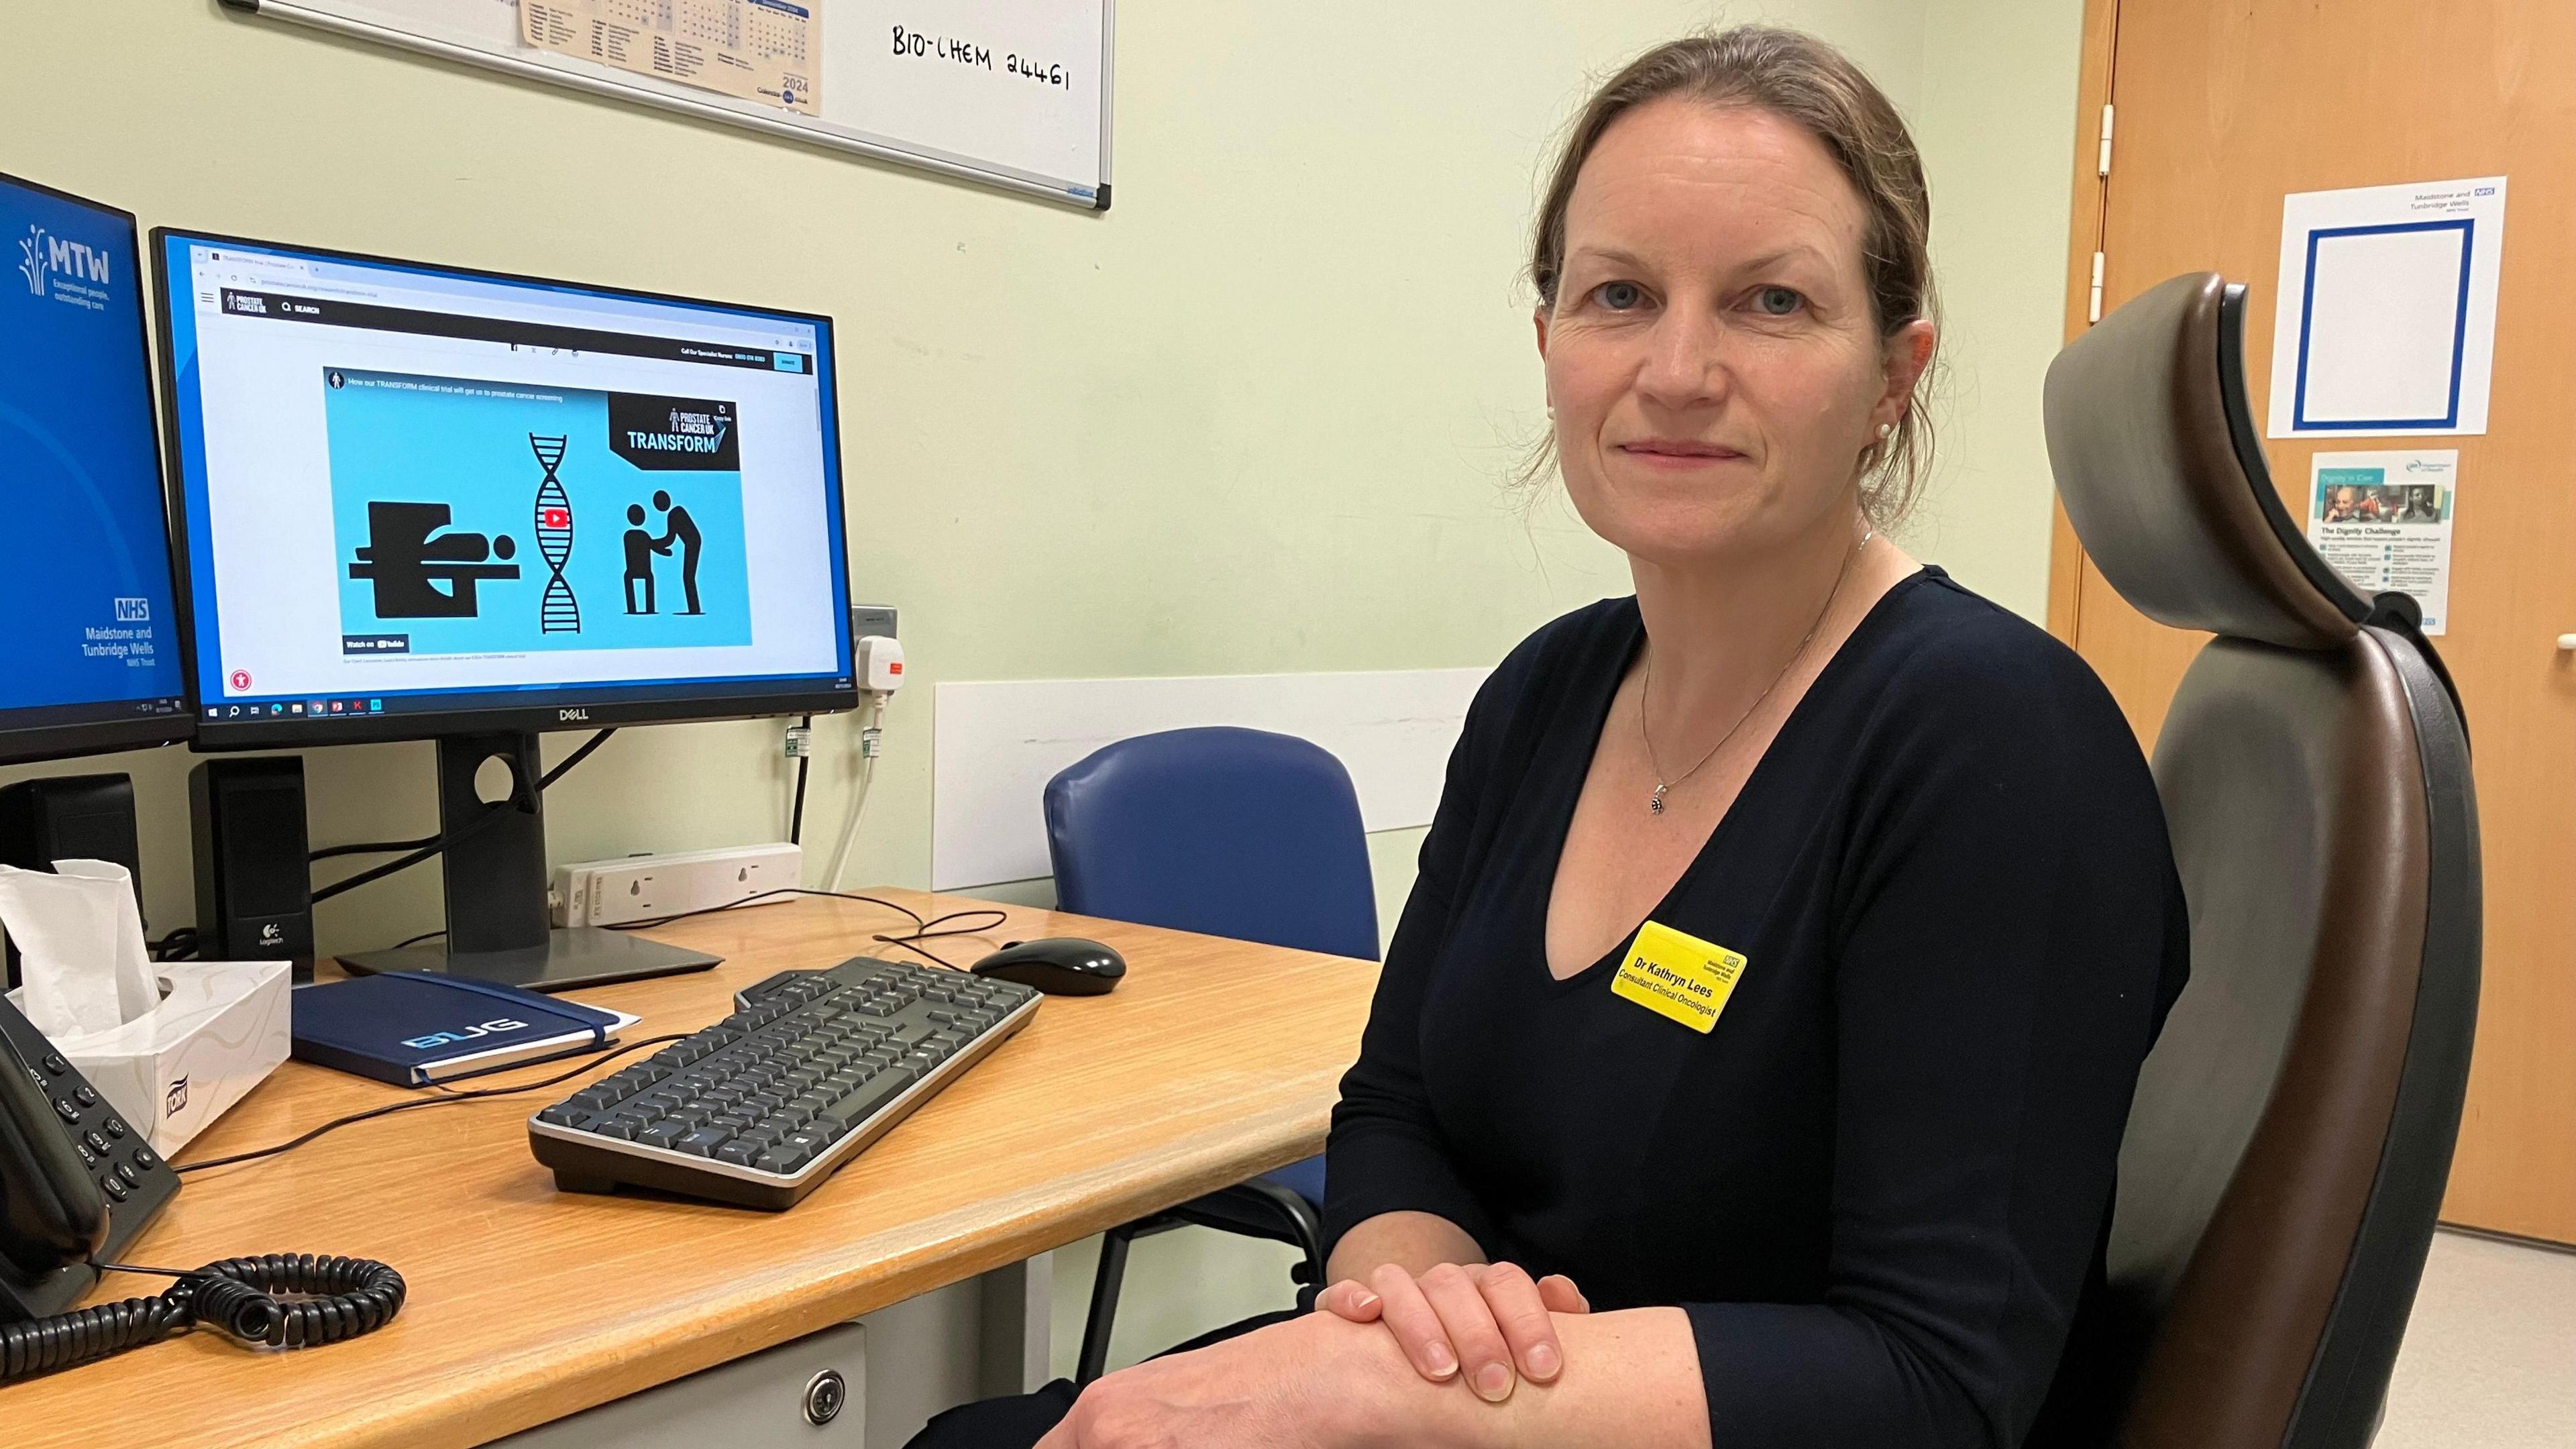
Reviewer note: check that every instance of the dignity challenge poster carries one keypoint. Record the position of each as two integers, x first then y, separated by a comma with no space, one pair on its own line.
475,517
2384,521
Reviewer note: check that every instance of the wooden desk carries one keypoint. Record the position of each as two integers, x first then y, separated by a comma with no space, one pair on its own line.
1215,1060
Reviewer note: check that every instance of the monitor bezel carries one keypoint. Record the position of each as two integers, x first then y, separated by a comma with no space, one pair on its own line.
289,731
112,731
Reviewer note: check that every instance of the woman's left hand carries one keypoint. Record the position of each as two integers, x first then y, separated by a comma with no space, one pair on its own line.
1314,1382
1487,1323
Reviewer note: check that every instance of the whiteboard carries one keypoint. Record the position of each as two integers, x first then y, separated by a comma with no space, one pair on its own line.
1012,93
995,745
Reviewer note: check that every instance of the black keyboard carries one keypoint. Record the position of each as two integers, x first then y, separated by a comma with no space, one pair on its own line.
759,1108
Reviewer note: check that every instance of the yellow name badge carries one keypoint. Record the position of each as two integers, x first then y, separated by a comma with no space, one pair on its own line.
1679,976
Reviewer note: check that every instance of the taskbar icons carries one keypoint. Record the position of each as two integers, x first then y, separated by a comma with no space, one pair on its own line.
295,709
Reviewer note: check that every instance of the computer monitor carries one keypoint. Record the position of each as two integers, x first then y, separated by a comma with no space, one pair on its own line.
92,661
428,502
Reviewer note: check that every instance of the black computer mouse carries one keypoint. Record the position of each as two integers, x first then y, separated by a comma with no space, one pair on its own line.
1057,965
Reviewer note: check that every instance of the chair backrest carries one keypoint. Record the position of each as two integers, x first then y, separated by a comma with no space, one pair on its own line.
2293,1128
1224,831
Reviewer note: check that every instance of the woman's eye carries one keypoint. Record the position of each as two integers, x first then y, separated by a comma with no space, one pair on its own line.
1778,301
1619,296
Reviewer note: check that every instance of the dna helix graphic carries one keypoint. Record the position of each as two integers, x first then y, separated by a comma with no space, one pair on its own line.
558,612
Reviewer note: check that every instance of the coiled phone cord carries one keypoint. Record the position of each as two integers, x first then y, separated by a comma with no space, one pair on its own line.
340,1298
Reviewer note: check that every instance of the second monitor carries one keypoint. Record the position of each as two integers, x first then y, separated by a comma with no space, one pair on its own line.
419,502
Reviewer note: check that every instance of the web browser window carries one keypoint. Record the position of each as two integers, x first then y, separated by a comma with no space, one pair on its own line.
411,489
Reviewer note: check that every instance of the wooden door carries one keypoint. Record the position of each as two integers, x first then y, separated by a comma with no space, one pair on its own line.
2221,108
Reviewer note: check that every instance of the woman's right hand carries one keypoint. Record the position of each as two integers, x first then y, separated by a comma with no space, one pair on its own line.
1487,1320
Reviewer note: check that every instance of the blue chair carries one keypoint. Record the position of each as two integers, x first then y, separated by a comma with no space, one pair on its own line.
1226,832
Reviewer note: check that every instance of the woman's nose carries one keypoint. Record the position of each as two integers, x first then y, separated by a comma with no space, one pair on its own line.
1684,361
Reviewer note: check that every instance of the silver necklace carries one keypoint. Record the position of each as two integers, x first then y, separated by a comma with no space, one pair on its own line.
1645,691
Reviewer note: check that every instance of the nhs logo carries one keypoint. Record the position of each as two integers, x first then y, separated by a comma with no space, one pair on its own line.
41,255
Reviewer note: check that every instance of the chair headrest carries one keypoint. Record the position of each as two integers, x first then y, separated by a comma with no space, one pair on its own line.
2164,480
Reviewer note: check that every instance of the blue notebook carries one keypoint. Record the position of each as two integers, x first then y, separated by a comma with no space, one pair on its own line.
414,1028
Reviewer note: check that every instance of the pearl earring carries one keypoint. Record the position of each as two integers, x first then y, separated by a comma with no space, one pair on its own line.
1884,429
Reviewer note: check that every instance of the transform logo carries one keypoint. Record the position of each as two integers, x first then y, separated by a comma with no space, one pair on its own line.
41,254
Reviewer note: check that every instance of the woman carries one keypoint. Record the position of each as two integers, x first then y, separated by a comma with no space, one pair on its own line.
1751,1060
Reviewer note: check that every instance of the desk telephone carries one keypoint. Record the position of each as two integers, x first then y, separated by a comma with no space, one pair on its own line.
77,1184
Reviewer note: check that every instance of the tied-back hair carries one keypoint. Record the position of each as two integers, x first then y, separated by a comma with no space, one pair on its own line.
1816,87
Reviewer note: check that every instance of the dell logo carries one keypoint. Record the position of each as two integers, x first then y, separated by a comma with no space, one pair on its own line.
572,714
443,1038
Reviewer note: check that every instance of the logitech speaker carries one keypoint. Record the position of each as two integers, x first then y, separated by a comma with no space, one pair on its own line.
254,884
69,817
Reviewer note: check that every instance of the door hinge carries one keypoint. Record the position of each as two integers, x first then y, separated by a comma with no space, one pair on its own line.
2093,312
2103,167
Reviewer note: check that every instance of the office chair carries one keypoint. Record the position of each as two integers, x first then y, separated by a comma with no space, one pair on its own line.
1227,832
2292,1132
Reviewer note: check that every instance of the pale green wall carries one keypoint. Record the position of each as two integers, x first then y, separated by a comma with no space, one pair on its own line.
1252,420
1997,125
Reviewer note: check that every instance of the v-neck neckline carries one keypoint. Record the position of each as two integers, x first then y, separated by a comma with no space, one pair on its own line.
1564,825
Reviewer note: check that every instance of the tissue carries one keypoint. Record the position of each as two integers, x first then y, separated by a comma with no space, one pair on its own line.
80,946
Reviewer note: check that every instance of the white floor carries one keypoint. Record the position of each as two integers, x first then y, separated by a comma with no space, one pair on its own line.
2490,1356
2489,1361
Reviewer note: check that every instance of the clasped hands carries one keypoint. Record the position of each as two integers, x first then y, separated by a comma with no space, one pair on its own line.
1484,1323
1305,1384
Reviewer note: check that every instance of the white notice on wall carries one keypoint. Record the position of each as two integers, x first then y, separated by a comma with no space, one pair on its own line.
2385,321
760,50
2384,521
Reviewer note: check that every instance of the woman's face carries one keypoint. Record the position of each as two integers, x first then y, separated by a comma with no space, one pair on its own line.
1712,361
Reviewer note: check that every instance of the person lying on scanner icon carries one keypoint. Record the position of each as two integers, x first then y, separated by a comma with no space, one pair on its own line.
407,564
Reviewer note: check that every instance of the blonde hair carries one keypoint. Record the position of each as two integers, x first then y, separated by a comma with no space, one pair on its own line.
1812,85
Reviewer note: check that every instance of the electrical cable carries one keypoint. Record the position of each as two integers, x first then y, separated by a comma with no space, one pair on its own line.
796,812
416,1103
430,846
336,1299
370,847
928,929
870,738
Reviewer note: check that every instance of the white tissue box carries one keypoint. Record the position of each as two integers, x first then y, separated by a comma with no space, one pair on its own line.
221,1028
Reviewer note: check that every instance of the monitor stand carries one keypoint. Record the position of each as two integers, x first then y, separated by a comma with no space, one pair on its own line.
495,866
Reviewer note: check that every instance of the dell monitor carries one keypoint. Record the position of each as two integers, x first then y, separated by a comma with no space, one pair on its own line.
421,502
92,659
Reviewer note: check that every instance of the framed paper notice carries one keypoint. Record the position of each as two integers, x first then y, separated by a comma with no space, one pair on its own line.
2387,309
1012,93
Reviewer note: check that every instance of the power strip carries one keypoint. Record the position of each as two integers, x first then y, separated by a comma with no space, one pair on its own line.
643,887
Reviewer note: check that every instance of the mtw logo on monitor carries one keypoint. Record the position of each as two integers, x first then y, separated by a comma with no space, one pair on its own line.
42,254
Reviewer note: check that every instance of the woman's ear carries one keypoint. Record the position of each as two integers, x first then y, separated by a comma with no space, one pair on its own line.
1903,357
1538,319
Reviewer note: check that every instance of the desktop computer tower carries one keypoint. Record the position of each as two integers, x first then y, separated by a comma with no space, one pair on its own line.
254,882
69,817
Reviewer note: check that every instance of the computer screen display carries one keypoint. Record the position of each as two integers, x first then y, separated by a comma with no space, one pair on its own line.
92,658
419,501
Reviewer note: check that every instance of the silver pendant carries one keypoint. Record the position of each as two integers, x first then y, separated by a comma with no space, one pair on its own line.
1655,805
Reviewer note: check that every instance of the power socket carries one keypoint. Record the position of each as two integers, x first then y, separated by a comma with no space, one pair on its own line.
644,887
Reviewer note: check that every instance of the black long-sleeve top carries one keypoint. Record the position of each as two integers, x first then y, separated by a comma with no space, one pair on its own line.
1878,1183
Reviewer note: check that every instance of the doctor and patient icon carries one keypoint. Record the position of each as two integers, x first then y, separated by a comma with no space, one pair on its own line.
641,547
407,557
